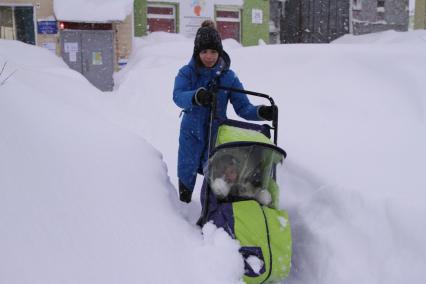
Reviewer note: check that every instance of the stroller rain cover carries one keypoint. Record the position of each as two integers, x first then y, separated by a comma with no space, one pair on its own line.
243,198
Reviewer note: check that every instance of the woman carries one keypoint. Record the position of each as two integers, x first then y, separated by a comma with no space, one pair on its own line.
209,63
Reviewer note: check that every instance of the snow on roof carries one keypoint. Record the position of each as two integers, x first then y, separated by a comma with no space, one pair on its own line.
92,10
214,2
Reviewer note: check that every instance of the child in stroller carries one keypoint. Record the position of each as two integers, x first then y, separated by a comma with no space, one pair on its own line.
231,185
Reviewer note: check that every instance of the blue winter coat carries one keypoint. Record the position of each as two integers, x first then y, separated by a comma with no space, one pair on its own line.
193,139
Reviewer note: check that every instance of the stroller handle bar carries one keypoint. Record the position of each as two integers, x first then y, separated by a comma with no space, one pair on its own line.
271,100
256,94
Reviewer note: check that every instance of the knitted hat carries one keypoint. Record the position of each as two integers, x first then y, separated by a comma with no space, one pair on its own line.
207,38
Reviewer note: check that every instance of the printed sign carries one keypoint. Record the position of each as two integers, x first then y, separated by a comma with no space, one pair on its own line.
73,56
71,47
193,13
256,16
97,58
47,27
50,46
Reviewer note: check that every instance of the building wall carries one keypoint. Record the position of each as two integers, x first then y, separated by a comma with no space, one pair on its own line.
123,40
140,15
314,21
368,20
43,9
420,15
275,14
251,32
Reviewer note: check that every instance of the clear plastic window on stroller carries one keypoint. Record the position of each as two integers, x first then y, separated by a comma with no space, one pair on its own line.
245,172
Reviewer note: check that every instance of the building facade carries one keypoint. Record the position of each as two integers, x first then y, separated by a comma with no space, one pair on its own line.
95,48
246,21
369,16
275,15
310,21
29,21
420,14
322,21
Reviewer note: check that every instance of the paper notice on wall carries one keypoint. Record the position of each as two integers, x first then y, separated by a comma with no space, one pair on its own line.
73,56
256,16
50,46
71,47
97,58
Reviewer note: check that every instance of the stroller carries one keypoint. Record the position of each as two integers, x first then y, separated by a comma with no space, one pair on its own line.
240,194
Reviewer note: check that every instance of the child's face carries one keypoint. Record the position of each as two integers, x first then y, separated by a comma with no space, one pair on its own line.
209,57
231,174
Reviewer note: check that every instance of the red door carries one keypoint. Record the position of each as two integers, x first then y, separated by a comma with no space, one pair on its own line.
161,19
228,24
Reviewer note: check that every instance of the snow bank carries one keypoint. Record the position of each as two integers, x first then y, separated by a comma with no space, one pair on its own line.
391,36
352,120
83,200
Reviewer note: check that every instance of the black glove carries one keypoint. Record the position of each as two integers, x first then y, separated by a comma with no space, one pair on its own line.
184,193
268,112
203,97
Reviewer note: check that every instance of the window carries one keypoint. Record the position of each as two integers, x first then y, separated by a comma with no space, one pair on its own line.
380,10
161,18
6,23
228,22
380,6
17,23
356,4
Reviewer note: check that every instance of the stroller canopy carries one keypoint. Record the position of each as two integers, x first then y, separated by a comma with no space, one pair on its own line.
243,165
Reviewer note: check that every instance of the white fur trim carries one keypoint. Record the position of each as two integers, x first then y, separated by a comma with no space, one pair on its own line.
220,187
264,197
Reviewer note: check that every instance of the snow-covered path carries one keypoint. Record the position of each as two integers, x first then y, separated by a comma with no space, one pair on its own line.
351,114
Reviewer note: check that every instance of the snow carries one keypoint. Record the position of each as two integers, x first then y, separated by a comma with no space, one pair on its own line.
88,179
283,222
92,10
229,2
255,263
411,4
107,10
213,2
387,37
83,200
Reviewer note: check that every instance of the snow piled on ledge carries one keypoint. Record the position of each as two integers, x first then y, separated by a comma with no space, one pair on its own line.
92,10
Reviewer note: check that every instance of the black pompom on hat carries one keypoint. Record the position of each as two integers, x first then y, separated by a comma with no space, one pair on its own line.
207,37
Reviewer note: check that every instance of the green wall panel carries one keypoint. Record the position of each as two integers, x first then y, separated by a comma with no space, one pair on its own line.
140,15
251,33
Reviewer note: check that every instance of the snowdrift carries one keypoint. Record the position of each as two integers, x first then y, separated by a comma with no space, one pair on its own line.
83,200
